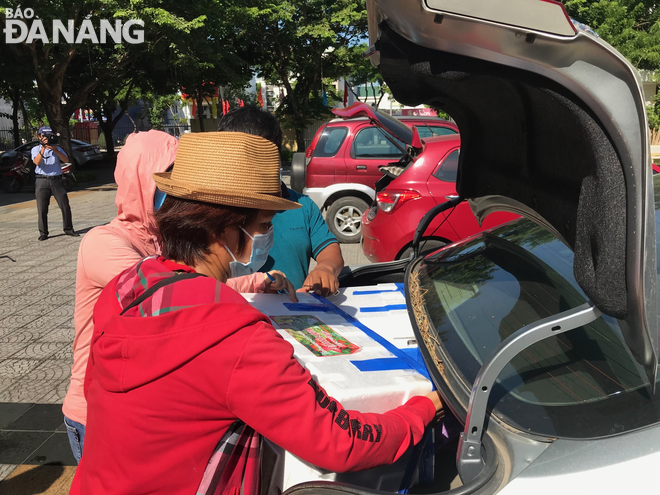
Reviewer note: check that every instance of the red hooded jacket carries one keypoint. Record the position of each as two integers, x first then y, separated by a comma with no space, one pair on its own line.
163,389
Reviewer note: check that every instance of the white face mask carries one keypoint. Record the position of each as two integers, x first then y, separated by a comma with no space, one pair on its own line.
261,246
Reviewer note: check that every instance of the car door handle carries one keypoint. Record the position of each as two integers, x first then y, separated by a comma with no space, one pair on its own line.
360,167
451,196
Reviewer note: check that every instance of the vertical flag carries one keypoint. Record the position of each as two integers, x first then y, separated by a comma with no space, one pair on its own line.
260,98
345,93
325,98
240,103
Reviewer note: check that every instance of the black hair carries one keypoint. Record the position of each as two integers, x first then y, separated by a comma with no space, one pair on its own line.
252,120
188,228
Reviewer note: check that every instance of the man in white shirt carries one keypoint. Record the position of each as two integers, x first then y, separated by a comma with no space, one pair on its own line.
48,171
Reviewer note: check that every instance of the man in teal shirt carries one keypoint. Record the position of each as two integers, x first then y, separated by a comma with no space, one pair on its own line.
301,234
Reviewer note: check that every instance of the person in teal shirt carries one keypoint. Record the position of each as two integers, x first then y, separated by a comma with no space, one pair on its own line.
301,234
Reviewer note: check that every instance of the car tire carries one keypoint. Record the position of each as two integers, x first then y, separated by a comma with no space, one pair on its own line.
11,184
427,246
344,219
298,171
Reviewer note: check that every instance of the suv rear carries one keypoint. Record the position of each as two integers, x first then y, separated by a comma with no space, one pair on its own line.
340,168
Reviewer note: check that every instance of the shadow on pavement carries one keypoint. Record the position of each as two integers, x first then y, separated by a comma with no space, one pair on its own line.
35,480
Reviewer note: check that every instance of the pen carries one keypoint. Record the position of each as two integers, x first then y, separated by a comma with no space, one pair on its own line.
272,279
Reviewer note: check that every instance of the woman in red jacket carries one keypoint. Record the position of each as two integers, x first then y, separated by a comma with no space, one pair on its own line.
183,370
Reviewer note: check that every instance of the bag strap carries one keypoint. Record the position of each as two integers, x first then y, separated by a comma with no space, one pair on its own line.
168,281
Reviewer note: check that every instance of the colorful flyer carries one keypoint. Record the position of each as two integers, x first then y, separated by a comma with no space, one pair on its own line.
315,335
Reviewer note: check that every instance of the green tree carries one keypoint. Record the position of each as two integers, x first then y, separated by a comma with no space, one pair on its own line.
364,72
300,43
66,73
109,101
17,87
630,26
215,54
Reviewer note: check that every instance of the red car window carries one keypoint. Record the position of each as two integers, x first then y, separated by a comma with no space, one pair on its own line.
433,130
372,143
449,167
330,141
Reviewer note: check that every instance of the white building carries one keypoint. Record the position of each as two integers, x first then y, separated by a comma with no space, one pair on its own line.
7,108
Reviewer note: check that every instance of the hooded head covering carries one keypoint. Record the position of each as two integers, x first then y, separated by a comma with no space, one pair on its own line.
143,155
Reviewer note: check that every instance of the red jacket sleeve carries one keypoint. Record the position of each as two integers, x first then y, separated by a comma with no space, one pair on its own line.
288,407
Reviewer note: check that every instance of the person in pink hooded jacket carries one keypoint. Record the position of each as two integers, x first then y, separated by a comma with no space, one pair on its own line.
107,250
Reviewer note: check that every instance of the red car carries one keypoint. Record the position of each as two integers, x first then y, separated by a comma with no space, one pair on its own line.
341,166
402,200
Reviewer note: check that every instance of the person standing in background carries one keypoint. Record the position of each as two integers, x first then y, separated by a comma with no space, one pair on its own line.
48,159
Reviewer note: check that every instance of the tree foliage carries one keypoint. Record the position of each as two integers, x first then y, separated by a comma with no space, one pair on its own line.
364,72
16,86
630,26
302,42
183,42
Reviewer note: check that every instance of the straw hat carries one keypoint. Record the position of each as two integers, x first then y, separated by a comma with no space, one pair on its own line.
226,168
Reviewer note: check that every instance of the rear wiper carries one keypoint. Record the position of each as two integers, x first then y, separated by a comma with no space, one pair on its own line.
431,130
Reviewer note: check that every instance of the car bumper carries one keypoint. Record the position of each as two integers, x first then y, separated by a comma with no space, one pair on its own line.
316,194
381,237
84,158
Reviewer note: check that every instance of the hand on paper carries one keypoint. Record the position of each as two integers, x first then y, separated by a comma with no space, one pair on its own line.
321,281
276,281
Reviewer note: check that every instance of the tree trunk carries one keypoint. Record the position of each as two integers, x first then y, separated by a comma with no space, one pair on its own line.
16,101
300,140
59,124
109,140
26,122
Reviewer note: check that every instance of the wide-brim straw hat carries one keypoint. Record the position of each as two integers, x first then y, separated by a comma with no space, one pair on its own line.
226,168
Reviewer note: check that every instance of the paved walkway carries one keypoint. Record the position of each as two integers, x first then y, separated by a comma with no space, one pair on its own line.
37,289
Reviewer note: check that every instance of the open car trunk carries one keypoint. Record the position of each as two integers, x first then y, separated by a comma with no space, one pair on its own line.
553,127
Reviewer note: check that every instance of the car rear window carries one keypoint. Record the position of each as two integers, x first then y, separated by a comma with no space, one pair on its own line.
371,142
433,130
448,168
580,384
330,141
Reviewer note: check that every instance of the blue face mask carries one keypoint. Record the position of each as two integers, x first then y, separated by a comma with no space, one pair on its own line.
159,197
261,245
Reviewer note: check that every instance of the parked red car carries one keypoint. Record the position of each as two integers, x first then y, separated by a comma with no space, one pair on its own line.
388,227
341,166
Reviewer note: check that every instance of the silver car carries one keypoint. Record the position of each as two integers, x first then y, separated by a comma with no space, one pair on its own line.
542,334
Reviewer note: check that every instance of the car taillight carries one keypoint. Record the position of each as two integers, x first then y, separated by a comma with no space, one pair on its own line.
388,200
309,152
